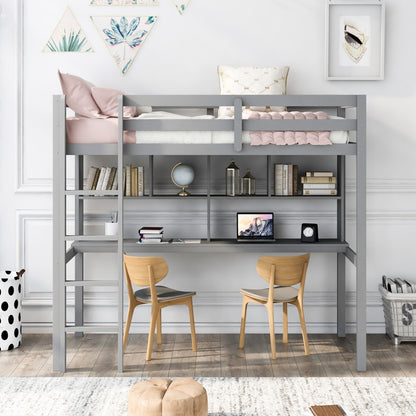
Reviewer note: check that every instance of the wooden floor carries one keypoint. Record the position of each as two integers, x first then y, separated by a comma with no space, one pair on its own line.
217,356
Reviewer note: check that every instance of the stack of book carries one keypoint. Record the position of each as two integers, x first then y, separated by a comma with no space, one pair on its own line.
105,178
285,179
319,183
150,235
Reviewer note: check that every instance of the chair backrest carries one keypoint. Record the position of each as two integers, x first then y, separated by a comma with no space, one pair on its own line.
288,271
138,269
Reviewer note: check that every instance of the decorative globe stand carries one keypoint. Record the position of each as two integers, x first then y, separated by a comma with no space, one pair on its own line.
182,176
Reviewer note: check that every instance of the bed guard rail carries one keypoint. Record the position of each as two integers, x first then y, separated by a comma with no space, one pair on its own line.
237,123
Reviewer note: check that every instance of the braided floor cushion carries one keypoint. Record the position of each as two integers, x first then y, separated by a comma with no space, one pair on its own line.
164,397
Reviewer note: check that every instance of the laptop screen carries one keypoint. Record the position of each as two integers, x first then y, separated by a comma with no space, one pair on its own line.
255,226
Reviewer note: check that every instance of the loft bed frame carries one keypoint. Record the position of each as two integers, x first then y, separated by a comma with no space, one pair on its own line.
80,243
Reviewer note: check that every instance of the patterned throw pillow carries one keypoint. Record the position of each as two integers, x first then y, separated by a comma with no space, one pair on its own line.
251,80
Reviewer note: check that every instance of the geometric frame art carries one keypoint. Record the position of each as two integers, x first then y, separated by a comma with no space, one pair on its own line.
68,36
123,36
354,40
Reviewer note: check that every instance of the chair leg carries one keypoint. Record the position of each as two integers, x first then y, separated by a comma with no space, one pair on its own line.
159,328
191,319
271,328
153,319
127,327
303,326
243,323
285,322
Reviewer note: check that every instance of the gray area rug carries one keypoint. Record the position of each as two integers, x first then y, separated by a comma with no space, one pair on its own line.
358,396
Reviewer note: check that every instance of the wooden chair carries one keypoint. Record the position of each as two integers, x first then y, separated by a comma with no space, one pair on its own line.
148,271
281,273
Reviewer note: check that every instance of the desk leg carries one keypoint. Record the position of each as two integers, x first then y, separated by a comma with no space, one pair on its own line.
341,295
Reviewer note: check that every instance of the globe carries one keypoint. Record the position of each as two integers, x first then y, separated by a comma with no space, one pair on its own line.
182,176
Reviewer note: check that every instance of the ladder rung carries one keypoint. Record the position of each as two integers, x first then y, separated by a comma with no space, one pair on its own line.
91,283
91,237
113,329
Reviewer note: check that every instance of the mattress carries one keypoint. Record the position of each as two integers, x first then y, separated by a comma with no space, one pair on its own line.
93,130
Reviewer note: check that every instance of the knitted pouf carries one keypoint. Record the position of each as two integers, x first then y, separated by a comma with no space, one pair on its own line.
164,397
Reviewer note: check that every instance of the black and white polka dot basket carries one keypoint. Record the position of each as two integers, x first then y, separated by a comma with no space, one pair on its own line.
10,309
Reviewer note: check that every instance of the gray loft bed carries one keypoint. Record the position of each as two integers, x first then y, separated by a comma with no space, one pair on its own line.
82,244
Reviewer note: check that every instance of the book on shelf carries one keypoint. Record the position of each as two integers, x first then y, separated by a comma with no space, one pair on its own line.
320,174
278,179
106,178
101,178
151,230
133,181
319,191
319,186
140,181
110,182
318,179
285,179
144,239
128,180
150,236
96,177
90,178
114,186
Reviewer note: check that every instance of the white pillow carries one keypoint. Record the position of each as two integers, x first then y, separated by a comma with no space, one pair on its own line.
252,80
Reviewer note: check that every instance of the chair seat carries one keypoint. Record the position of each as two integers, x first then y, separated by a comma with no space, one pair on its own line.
281,294
163,293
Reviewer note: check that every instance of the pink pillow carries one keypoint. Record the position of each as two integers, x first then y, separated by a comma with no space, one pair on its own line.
107,100
78,96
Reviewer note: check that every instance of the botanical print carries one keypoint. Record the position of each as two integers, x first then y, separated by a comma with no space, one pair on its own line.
124,36
68,36
355,40
181,5
124,2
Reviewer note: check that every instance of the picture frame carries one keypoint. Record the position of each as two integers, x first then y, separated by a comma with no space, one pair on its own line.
354,40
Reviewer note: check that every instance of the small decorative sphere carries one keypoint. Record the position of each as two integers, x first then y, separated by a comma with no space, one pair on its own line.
183,175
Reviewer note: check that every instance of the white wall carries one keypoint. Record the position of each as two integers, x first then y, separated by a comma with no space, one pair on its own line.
180,57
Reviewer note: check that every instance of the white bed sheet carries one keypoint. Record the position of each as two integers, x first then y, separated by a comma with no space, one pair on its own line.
205,137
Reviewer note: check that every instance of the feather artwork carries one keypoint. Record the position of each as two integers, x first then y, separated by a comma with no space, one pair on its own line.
181,5
124,36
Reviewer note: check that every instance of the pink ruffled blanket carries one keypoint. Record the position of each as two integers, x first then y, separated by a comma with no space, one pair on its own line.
289,137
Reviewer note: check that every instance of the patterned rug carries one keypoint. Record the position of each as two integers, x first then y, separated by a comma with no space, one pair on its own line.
76,396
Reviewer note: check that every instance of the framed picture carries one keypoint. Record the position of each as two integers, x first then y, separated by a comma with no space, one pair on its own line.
354,40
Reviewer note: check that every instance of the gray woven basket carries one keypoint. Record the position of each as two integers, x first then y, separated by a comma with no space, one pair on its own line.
399,315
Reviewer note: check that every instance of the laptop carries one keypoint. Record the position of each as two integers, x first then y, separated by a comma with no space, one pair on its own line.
255,227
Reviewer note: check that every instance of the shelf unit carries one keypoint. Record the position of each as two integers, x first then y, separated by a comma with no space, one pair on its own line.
118,244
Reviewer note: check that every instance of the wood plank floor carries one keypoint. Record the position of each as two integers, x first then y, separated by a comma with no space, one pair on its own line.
217,356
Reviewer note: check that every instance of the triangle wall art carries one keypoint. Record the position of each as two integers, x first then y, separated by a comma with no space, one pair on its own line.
181,5
68,36
123,36
124,2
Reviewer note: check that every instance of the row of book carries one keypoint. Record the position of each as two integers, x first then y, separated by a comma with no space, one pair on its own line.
313,183
398,285
285,179
150,235
106,179
319,183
